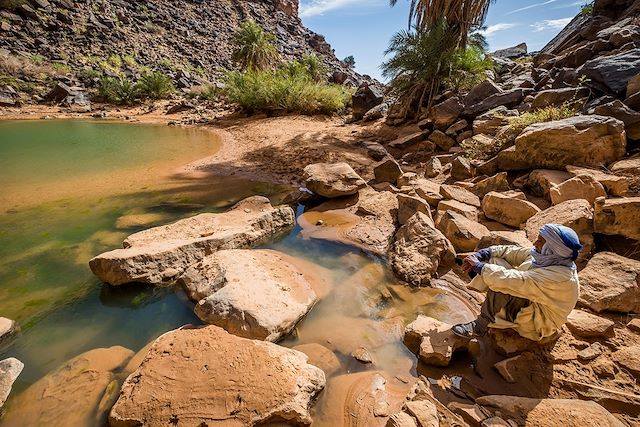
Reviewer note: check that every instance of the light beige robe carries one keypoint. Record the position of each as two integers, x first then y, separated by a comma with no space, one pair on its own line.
553,291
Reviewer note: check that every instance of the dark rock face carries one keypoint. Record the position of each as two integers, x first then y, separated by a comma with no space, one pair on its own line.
613,71
366,97
511,52
166,35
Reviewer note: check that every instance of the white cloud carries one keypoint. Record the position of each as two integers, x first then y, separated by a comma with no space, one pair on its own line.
501,26
532,6
319,7
551,24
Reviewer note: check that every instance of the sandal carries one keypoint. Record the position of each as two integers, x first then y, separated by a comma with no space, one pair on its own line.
469,330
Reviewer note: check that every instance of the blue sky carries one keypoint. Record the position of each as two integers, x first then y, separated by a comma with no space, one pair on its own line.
362,28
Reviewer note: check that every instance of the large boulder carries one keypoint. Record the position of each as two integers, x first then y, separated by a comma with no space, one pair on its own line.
550,97
409,205
79,393
261,295
509,99
332,179
420,250
162,254
496,182
490,122
614,184
388,170
366,97
587,325
629,358
619,216
432,340
481,91
463,233
614,71
610,282
511,52
460,194
580,187
550,412
193,376
581,140
540,181
620,111
510,208
446,113
9,371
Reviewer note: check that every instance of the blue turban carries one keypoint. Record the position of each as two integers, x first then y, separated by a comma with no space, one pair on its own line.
561,247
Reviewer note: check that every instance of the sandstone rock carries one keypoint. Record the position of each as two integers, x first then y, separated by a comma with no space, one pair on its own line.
550,412
463,233
480,92
8,328
634,324
509,99
375,150
409,205
494,238
413,141
472,414
497,183
387,170
495,422
262,296
442,140
508,208
490,122
615,185
468,211
511,52
513,368
457,127
424,411
321,357
362,355
587,325
549,97
614,71
593,351
428,190
618,216
77,394
460,194
420,250
161,254
580,140
461,168
332,179
366,97
540,181
432,340
9,371
198,375
627,167
401,419
580,187
433,167
361,400
610,282
446,113
620,111
629,358
408,179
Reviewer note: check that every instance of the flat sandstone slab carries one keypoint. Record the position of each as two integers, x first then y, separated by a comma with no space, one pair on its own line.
206,376
161,254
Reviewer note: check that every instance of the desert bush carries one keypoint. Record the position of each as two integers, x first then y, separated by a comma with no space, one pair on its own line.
207,92
17,66
119,91
254,48
155,85
288,89
468,68
315,67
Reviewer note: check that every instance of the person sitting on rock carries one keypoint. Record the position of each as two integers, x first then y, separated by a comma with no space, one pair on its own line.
531,290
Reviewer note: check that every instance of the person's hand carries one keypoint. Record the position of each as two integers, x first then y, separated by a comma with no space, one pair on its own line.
469,263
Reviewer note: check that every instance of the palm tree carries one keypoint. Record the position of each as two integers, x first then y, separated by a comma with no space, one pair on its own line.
461,15
422,59
254,48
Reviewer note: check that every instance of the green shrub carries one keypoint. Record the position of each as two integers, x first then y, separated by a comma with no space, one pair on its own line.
206,92
469,67
156,85
315,67
289,89
119,91
254,48
586,9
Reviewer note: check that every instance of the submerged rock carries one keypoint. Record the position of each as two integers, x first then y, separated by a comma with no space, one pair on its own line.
332,179
198,376
9,371
161,254
321,357
8,328
420,250
610,282
259,294
79,393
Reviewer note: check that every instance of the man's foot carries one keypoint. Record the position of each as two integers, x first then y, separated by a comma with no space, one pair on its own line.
474,329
